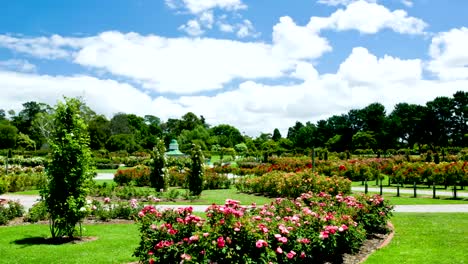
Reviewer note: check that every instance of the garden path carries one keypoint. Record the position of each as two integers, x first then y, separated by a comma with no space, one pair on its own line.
28,200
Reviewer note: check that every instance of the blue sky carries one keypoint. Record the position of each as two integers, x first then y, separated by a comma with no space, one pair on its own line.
258,65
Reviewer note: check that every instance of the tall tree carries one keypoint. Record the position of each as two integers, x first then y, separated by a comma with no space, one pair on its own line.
276,135
195,178
157,166
69,171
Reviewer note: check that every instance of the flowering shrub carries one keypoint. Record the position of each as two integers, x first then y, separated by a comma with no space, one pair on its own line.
283,184
120,210
138,175
312,228
213,180
9,211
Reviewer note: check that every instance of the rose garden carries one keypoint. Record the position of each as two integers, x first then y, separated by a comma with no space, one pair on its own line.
282,209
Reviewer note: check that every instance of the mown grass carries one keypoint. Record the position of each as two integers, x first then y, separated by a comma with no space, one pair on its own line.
219,197
25,244
419,238
426,238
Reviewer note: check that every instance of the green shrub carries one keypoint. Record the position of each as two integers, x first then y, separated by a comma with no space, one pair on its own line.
38,212
10,211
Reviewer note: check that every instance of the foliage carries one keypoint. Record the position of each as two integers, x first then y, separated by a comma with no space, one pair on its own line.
292,184
158,165
69,171
107,210
8,135
195,177
38,212
213,180
309,229
15,182
139,176
9,211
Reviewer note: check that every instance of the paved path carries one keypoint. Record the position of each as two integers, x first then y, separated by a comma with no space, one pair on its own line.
406,191
28,200
104,176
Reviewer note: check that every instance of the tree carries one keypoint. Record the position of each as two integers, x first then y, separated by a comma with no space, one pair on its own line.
226,135
69,172
25,142
23,121
406,123
99,132
2,114
122,142
364,140
276,135
157,166
119,124
42,126
8,135
195,178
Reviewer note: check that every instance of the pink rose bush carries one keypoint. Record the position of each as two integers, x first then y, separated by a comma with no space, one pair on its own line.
312,228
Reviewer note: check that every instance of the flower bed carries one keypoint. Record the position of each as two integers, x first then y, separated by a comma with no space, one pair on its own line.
310,229
284,184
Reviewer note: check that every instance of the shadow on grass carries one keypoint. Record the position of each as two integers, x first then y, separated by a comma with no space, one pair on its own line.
32,241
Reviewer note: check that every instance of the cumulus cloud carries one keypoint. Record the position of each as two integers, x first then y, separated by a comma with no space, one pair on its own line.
449,56
364,68
369,18
298,42
251,106
187,65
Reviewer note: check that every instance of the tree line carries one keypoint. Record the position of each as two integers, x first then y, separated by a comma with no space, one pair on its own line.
440,123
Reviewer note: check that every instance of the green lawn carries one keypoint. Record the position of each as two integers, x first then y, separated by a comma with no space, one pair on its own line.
407,199
426,238
219,197
419,238
25,244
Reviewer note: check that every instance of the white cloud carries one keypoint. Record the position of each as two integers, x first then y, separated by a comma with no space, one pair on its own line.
224,27
198,6
408,3
341,2
293,41
369,18
246,29
181,65
205,18
42,47
18,65
253,107
449,54
364,68
192,28
188,65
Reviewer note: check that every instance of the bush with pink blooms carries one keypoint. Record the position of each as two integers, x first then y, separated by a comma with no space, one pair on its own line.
313,228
